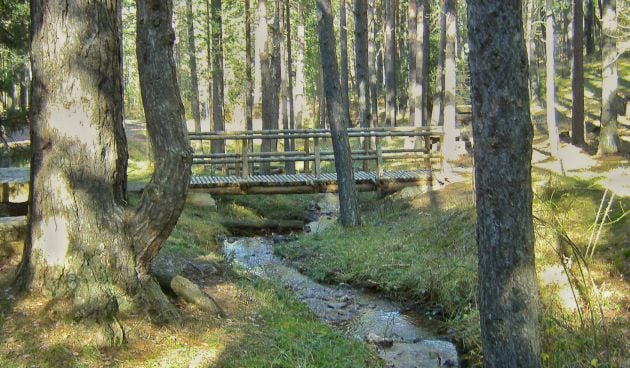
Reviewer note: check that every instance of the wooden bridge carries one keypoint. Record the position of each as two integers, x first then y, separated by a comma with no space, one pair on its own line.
238,170
241,169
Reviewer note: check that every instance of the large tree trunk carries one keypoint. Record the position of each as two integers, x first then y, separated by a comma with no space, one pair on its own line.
390,62
343,58
577,76
192,63
412,38
608,136
86,249
361,63
299,70
348,198
552,125
450,77
437,111
217,75
502,130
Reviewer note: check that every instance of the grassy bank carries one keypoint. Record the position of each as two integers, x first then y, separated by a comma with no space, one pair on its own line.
423,251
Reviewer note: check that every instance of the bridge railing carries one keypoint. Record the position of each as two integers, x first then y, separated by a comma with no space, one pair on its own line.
243,158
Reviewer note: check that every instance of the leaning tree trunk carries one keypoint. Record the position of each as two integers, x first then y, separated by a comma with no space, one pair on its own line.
577,76
217,146
87,251
608,136
502,130
348,198
192,63
450,77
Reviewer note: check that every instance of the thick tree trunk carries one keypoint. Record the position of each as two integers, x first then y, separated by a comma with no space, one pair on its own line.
450,77
390,62
86,249
608,136
343,58
437,111
259,45
422,61
192,63
362,68
412,38
589,27
418,29
217,75
552,125
577,76
348,198
502,130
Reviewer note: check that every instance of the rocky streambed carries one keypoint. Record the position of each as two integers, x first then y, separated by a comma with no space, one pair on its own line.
403,339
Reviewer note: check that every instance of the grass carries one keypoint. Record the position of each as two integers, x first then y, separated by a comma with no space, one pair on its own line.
423,251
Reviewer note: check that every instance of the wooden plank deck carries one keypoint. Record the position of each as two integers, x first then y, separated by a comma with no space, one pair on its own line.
307,183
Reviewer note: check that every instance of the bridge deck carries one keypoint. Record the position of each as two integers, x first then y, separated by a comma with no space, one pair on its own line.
307,183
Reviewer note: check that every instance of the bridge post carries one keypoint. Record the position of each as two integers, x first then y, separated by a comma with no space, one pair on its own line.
245,158
379,158
318,168
366,148
427,148
307,151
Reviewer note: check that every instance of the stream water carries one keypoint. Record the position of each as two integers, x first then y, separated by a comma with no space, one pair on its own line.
403,339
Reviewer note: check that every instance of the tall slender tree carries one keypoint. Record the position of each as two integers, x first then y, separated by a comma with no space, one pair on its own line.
552,125
502,130
412,39
217,75
390,62
532,27
450,77
361,61
209,58
87,249
343,58
289,72
437,112
608,136
299,68
192,62
348,198
249,61
372,62
589,27
577,75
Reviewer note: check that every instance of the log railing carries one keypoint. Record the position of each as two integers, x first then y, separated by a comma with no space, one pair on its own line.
242,157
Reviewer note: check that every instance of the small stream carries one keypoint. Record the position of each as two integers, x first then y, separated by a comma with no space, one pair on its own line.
403,339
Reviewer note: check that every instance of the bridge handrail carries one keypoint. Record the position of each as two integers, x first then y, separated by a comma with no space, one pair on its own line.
243,160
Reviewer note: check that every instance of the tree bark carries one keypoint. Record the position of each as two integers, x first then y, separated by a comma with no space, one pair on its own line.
390,62
86,248
343,58
209,57
437,111
418,78
217,75
289,72
348,198
450,78
192,63
299,70
577,76
270,84
361,63
608,136
412,39
502,130
552,125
